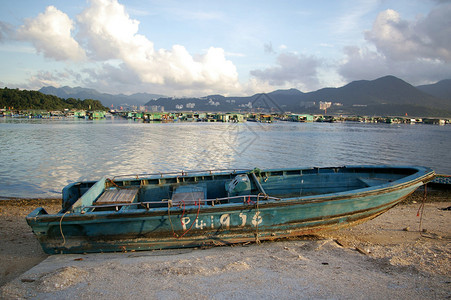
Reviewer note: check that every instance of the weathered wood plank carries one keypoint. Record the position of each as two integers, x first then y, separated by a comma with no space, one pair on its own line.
189,195
117,196
189,198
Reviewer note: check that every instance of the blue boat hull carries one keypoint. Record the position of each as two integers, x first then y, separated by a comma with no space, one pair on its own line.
85,228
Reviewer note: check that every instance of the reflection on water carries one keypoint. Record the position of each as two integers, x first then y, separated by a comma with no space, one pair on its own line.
39,157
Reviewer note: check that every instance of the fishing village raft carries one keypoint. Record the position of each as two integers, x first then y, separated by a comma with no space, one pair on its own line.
211,208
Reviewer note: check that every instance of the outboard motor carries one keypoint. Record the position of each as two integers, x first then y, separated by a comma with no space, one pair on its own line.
240,185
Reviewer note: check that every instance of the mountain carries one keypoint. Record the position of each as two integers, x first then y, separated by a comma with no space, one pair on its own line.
441,89
106,99
387,95
286,93
384,90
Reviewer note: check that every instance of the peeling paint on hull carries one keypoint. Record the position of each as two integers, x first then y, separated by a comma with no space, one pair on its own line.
207,225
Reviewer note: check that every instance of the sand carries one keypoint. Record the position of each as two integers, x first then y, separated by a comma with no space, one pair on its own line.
385,257
19,249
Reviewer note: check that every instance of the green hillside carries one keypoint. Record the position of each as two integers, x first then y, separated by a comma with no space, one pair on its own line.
23,100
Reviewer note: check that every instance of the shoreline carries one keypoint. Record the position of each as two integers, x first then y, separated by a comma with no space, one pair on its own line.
225,116
391,238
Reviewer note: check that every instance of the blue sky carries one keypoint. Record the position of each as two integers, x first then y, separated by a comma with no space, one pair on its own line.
196,48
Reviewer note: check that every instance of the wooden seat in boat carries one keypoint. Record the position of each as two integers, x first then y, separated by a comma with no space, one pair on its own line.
117,196
189,195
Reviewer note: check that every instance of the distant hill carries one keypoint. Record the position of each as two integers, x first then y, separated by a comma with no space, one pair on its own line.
441,89
384,90
286,93
106,99
387,95
34,100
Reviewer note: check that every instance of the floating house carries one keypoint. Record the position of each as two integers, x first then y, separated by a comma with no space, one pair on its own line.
434,121
96,115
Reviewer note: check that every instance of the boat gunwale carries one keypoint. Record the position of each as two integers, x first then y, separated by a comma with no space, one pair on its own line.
178,174
402,183
218,172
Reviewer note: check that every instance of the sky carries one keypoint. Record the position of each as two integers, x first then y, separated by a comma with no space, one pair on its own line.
229,47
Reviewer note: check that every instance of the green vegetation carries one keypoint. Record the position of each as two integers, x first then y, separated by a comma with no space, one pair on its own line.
23,99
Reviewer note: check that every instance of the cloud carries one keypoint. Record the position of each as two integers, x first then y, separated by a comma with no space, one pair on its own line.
101,78
45,78
363,63
283,47
417,51
112,34
350,19
268,48
111,40
291,68
5,31
50,33
107,28
424,38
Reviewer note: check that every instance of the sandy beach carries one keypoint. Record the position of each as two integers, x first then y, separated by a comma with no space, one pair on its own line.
385,257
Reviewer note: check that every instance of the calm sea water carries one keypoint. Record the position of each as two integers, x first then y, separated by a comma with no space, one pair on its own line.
40,157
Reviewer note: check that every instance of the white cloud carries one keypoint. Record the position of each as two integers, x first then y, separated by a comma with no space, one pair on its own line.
112,34
50,33
418,51
291,69
363,63
108,28
424,38
45,78
112,41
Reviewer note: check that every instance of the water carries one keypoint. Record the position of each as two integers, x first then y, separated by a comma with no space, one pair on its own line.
40,157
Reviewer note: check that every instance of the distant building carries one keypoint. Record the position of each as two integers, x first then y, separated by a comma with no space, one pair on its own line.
155,108
324,105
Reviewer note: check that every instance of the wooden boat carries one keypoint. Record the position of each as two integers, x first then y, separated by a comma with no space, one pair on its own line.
190,209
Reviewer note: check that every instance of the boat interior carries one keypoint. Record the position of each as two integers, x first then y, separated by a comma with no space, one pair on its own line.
213,188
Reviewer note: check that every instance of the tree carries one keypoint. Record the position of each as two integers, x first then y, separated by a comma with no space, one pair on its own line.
25,99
